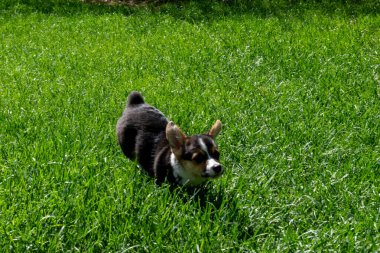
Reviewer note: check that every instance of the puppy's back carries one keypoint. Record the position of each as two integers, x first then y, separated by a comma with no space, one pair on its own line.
139,129
142,116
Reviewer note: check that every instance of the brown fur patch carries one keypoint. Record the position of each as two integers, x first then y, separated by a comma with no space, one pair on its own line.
196,169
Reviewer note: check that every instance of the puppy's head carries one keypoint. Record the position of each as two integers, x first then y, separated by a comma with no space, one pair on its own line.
198,155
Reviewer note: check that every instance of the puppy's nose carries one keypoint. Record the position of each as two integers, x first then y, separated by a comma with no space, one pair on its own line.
217,168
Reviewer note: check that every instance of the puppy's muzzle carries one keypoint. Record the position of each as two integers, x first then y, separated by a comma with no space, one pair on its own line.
213,171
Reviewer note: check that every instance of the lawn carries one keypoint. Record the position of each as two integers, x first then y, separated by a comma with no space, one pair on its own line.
296,85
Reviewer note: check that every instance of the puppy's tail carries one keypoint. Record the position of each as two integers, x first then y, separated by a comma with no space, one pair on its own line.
135,98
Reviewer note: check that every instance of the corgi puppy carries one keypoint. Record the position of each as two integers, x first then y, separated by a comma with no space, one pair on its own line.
162,149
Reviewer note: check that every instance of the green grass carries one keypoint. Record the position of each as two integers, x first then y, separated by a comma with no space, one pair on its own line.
296,86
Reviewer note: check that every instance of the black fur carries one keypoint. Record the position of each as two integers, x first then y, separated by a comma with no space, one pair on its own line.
141,135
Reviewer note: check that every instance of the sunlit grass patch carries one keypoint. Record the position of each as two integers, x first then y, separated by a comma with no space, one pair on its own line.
297,90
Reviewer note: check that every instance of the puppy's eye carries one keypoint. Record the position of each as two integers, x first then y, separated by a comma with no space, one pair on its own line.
215,154
199,158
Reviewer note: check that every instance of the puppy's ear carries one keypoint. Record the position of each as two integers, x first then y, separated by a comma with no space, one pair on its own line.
175,137
215,129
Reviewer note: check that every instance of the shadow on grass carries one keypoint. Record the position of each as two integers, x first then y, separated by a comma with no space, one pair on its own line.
193,10
222,207
207,196
200,194
61,7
